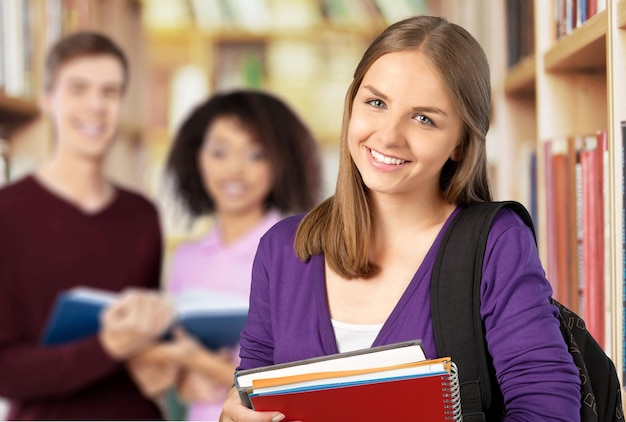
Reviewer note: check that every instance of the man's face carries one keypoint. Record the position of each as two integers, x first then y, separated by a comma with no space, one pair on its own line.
84,103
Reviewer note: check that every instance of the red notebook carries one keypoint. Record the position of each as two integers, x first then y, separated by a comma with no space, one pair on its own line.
424,398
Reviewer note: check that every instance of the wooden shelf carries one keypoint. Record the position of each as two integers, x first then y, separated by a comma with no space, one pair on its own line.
15,111
241,35
621,14
583,49
520,80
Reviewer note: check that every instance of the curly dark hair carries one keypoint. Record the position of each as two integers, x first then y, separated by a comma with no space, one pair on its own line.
290,146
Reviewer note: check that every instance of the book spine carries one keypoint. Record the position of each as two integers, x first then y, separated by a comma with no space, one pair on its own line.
569,16
592,8
452,395
13,32
579,230
3,41
623,146
550,220
581,12
560,209
601,231
593,237
533,186
603,138
573,146
586,238
520,30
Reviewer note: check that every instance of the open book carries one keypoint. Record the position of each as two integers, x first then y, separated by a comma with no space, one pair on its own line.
393,382
215,319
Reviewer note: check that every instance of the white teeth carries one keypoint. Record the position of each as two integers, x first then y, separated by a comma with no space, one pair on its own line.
384,159
92,129
233,188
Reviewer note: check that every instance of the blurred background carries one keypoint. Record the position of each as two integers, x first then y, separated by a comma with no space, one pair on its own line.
182,51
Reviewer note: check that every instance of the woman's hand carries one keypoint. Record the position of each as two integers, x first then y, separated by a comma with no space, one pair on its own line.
134,322
181,349
152,378
217,366
235,411
195,386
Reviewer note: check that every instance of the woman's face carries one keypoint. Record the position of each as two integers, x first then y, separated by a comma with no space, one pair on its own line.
235,169
403,126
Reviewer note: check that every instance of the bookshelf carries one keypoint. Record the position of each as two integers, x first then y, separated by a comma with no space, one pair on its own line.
583,49
570,87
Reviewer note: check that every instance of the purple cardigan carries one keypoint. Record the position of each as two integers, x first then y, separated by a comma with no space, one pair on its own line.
289,319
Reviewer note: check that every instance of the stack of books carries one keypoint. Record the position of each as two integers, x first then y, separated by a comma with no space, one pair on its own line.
392,382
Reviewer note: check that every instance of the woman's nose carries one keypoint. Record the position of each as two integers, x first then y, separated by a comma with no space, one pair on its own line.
391,132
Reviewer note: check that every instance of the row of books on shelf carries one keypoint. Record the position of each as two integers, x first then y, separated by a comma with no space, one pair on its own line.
578,225
16,49
25,28
367,12
570,14
261,16
578,234
520,30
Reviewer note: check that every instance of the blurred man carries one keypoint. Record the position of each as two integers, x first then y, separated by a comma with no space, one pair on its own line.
67,225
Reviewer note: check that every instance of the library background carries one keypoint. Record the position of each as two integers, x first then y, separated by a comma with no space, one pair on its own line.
559,103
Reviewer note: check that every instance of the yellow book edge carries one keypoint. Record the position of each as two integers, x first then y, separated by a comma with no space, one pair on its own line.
314,376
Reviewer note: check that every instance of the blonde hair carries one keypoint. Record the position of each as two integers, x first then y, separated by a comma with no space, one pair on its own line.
341,226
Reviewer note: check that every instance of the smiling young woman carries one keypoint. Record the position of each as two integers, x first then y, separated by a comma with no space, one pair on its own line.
355,271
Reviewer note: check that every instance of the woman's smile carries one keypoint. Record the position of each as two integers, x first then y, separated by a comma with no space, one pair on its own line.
385,163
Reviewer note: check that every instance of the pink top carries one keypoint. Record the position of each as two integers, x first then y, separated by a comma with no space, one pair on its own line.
209,264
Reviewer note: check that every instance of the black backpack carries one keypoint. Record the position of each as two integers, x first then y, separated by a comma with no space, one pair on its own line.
460,334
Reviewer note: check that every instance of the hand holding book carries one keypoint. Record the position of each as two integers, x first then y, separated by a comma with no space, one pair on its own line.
214,319
133,322
184,364
186,352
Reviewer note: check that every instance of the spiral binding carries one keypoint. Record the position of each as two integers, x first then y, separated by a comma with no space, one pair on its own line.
452,395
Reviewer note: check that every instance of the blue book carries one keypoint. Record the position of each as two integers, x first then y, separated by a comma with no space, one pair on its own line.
215,319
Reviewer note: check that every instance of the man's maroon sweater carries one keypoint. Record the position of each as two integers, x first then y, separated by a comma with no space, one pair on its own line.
48,245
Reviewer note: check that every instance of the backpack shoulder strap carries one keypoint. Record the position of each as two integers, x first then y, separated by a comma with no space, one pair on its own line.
455,306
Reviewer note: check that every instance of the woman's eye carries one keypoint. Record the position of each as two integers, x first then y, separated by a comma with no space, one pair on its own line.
216,152
256,156
77,90
423,119
376,103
